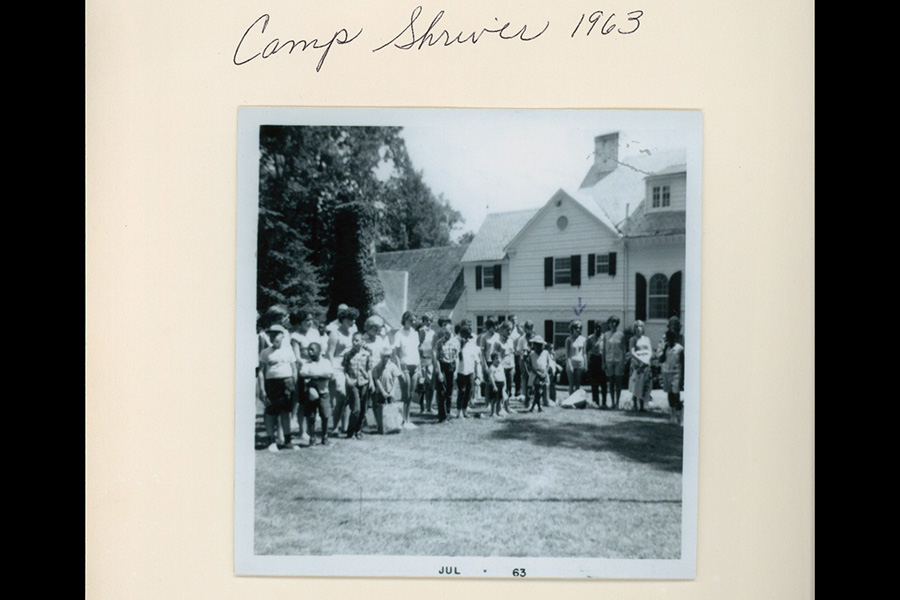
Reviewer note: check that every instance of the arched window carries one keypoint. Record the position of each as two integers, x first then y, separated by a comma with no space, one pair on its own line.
658,297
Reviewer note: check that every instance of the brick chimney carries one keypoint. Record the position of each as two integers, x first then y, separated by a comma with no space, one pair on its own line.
606,152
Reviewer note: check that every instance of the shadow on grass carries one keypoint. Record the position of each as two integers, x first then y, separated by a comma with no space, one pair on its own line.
653,442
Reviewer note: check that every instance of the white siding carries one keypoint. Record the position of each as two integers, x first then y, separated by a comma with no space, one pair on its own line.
582,236
677,190
487,299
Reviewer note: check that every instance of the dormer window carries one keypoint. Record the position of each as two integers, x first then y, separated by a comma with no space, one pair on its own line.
662,196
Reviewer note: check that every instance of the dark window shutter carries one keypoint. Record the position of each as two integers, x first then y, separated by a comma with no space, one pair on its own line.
576,269
497,269
592,259
612,264
548,271
548,331
640,297
675,295
478,277
479,323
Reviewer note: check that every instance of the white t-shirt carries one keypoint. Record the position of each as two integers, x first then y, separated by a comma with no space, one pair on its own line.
406,343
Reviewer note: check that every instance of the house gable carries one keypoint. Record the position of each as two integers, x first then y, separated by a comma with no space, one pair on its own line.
549,259
570,206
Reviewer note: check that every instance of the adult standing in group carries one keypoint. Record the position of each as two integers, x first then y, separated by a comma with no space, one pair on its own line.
340,341
594,349
426,356
446,357
614,359
406,353
484,341
640,351
516,331
468,370
375,342
337,321
523,357
674,325
576,358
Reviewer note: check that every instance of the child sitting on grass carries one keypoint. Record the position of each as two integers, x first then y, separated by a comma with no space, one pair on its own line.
386,376
496,388
277,376
317,373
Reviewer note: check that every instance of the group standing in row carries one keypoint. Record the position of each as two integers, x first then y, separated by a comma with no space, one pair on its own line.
335,373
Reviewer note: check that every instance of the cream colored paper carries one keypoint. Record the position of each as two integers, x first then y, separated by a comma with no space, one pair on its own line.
162,92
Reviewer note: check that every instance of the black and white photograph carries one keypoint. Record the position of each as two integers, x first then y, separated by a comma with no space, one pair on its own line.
467,343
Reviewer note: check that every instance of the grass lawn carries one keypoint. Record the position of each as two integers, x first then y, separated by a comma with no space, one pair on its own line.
564,482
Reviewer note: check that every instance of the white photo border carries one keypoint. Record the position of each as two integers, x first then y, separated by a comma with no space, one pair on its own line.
246,562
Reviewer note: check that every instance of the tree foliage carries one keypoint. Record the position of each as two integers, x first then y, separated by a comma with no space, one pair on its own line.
330,197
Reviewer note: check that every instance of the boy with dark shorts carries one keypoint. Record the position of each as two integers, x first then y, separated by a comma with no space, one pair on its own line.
277,376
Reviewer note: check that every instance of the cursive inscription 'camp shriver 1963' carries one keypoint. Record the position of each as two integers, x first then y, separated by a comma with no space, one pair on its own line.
419,34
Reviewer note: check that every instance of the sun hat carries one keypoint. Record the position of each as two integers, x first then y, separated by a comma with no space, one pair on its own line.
276,327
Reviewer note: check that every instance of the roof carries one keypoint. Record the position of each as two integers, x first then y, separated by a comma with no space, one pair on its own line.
495,233
624,186
653,223
435,280
391,308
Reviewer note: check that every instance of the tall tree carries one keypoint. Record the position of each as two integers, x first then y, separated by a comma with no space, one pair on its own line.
329,196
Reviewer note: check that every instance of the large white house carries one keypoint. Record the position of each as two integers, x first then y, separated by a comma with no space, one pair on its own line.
614,246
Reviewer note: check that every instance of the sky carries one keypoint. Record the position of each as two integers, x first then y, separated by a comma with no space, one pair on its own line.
496,161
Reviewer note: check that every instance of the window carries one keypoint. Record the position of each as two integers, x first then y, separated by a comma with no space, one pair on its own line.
562,270
560,333
662,196
487,278
602,263
658,297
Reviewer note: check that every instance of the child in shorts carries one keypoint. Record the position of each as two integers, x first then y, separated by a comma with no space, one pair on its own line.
317,373
496,385
277,376
540,366
386,376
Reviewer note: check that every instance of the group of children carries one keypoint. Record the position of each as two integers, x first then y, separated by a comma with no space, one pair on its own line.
336,372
